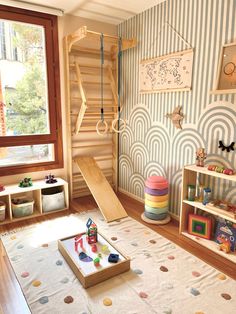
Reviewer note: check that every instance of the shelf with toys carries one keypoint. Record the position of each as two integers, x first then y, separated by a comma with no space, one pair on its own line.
211,224
32,199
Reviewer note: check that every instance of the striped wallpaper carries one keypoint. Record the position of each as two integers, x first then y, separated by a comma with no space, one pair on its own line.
151,144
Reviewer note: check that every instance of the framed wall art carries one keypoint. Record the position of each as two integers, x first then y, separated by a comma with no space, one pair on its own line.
226,75
168,73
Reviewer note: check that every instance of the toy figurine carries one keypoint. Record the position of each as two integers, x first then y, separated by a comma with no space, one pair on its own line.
50,179
105,249
113,258
200,157
79,241
94,248
91,232
2,188
224,243
25,183
96,261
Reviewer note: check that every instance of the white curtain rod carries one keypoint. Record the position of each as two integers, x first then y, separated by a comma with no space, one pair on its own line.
33,7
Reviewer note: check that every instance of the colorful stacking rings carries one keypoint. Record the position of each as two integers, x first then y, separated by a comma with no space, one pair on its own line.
156,198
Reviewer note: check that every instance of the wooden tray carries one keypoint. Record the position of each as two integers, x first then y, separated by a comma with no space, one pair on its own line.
221,211
88,274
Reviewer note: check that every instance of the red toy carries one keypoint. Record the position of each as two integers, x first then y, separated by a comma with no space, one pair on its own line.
1,188
94,248
79,241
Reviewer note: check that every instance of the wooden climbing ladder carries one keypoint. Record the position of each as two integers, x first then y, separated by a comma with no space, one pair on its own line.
82,60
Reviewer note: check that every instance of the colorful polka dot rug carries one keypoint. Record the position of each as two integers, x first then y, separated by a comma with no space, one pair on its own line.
163,278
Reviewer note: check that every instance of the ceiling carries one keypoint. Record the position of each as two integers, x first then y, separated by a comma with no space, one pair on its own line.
109,11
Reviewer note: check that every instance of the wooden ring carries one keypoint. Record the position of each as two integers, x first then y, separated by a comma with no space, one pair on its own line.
99,123
114,124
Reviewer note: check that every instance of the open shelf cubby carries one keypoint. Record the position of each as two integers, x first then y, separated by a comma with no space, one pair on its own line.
32,193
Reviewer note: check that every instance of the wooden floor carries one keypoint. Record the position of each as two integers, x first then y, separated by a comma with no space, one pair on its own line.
11,298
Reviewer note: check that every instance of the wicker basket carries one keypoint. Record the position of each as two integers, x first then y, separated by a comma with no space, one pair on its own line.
2,211
22,207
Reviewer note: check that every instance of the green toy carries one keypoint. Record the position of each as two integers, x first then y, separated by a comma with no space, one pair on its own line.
25,183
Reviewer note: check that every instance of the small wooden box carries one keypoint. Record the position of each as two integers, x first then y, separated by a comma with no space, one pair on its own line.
88,274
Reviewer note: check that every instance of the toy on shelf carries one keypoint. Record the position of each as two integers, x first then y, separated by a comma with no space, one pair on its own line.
199,226
224,243
206,196
227,148
25,183
2,188
221,169
191,192
91,232
229,208
200,157
50,179
226,233
200,193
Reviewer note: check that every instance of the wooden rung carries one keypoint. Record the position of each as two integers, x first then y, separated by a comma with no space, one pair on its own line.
92,144
90,66
89,82
87,129
105,105
92,119
90,73
102,158
79,49
92,99
94,115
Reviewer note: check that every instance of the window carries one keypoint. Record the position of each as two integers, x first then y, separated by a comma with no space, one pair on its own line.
30,113
2,41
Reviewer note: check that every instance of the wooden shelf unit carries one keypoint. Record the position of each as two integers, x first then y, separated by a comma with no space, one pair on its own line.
35,193
188,207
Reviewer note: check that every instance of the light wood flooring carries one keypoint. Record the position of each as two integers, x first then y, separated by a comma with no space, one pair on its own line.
11,297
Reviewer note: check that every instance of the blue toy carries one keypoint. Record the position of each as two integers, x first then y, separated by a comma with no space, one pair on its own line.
113,258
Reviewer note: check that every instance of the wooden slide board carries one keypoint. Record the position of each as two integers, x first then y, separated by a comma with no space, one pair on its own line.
100,188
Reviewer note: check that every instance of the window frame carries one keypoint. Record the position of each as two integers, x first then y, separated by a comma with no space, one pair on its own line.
49,23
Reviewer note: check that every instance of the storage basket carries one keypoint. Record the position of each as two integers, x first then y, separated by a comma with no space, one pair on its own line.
53,199
2,211
22,207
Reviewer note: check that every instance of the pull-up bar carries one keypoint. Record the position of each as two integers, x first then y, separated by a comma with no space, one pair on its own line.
83,32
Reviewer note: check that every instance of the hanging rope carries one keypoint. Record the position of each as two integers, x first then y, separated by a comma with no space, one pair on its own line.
102,123
118,119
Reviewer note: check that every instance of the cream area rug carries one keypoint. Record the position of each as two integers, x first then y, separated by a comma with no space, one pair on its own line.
163,278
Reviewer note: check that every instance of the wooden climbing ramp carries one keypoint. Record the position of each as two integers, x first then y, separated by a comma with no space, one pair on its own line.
100,188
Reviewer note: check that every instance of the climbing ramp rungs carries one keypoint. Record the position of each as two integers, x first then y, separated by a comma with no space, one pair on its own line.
101,190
